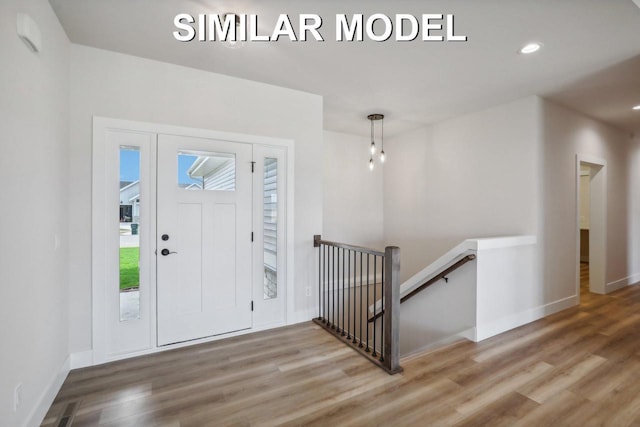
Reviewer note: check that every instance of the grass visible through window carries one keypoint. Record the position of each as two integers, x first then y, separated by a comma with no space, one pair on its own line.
129,271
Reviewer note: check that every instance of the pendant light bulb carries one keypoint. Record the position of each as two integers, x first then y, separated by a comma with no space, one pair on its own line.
382,156
371,164
373,148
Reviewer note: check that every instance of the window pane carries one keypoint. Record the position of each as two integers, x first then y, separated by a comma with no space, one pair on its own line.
207,171
129,233
270,227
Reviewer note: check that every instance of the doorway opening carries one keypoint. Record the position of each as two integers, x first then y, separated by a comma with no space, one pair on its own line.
584,212
591,225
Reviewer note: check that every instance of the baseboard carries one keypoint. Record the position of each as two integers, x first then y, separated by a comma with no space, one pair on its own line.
619,284
470,334
81,359
48,395
495,327
438,345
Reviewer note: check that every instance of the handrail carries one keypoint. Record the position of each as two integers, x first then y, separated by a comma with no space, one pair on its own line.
442,275
317,241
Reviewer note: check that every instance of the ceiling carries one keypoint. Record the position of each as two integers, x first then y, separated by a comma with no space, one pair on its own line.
590,60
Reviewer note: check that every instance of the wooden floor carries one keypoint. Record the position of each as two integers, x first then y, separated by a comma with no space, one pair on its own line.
579,367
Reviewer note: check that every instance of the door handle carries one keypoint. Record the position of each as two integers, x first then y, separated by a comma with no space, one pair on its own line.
166,252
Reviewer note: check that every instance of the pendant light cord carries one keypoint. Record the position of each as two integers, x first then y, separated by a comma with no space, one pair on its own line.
372,131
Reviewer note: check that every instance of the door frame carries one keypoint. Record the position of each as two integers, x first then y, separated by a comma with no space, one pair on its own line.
598,223
100,352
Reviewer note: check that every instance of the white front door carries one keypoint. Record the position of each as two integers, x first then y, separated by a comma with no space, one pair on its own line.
204,190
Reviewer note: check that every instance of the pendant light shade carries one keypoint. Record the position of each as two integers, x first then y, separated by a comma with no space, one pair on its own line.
372,148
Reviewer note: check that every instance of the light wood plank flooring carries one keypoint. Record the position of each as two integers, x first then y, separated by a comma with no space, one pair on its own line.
579,367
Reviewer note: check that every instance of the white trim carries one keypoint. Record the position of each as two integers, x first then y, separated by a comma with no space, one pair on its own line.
438,345
470,334
290,234
504,324
81,359
45,400
621,283
503,242
98,268
135,126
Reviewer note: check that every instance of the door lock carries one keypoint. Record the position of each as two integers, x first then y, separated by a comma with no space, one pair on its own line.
166,252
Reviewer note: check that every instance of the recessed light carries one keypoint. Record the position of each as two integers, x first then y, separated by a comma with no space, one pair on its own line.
637,107
530,48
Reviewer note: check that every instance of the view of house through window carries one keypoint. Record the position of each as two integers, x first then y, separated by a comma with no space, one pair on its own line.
129,233
270,226
210,171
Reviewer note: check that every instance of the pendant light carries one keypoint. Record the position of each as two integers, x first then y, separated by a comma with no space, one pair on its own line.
372,147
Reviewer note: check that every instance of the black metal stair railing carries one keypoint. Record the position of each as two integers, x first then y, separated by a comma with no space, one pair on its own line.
350,279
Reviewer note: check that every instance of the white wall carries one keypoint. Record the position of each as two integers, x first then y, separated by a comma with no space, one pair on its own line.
633,208
34,118
512,170
565,134
494,293
352,199
472,176
125,87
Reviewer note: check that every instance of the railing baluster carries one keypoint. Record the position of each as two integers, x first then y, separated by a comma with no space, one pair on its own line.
360,311
343,333
348,294
367,305
340,297
341,275
375,299
336,282
355,295
382,293
320,283
333,287
326,295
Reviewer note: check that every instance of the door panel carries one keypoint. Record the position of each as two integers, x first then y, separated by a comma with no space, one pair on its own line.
224,265
204,207
189,264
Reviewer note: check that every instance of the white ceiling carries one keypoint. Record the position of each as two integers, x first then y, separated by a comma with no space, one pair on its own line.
590,60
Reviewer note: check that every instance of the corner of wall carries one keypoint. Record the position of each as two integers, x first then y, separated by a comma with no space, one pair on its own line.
48,395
